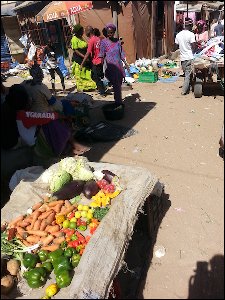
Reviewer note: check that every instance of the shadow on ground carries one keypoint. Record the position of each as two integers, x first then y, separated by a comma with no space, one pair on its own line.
135,110
131,279
208,281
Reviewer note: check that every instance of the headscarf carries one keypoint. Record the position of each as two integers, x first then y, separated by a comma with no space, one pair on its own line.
77,28
110,25
188,22
201,23
37,73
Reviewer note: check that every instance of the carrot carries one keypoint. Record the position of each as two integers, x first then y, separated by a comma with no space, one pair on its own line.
28,227
16,220
67,210
50,218
54,203
57,207
28,219
43,208
51,247
59,240
33,239
57,234
62,209
37,225
43,225
45,215
45,198
22,223
19,236
47,240
68,204
37,232
53,228
35,217
26,243
37,206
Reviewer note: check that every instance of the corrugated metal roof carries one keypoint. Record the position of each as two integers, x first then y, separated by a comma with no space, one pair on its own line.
25,4
7,9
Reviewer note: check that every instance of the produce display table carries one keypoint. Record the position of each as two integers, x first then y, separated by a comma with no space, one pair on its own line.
104,254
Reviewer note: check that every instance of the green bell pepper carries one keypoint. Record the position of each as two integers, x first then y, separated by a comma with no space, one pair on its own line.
82,227
36,277
75,260
63,279
43,255
55,254
48,266
30,260
62,263
69,252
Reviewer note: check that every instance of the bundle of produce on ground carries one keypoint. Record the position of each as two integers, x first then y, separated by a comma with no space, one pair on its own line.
52,235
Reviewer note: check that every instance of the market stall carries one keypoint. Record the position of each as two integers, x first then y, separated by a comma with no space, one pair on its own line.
103,254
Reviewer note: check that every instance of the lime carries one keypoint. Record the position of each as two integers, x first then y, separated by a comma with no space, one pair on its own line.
73,225
73,220
80,207
85,208
77,215
66,224
84,214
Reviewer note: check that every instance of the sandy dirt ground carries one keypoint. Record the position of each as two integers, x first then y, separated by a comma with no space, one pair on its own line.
178,141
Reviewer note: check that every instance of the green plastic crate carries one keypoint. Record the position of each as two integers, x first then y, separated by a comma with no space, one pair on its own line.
148,77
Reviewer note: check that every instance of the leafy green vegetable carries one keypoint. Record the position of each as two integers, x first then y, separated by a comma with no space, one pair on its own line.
59,179
75,199
77,167
100,212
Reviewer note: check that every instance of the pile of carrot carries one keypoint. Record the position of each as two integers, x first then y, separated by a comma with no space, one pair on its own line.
40,226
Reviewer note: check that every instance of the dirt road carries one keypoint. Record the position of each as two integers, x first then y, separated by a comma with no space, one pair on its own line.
178,141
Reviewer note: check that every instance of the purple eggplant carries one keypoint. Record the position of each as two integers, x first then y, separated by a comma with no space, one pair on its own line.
70,190
90,189
108,175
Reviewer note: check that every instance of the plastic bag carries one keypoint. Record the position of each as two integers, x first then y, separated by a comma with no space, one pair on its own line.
24,40
31,52
62,66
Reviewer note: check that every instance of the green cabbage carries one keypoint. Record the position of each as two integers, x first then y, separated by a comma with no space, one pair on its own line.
77,167
59,179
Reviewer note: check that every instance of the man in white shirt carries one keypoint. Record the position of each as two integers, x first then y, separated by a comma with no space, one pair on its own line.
185,41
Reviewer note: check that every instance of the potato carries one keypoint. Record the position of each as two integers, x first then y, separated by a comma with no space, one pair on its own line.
13,266
6,284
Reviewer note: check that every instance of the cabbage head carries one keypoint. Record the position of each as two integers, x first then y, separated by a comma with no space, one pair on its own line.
59,179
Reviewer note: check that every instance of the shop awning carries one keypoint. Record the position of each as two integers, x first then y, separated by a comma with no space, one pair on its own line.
197,7
62,9
7,9
25,4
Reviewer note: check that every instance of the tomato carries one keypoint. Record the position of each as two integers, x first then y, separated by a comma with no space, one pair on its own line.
102,183
71,215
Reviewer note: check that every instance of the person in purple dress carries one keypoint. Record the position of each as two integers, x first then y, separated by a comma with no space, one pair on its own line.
111,51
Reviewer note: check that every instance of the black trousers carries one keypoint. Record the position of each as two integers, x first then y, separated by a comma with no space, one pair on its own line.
97,75
52,73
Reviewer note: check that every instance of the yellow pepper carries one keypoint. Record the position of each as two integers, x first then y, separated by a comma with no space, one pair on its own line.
51,290
113,195
60,219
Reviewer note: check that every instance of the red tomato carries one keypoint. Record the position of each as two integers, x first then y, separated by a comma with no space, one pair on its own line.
71,215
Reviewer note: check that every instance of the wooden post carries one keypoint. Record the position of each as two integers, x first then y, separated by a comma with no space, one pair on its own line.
115,17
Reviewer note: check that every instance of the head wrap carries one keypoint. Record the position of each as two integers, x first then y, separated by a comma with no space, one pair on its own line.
110,25
201,22
77,28
37,73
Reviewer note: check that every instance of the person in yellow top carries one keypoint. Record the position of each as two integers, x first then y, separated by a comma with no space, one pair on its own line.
83,77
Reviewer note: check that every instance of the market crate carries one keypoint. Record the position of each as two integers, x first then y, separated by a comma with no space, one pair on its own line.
148,77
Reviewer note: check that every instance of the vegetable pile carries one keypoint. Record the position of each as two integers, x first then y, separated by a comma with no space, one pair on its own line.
52,236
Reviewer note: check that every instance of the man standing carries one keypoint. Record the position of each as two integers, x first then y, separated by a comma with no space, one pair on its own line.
93,51
185,41
219,29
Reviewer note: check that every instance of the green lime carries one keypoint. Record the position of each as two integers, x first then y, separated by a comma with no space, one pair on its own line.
66,224
73,225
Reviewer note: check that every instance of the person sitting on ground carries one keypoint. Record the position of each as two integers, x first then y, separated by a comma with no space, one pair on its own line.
83,76
47,133
93,51
52,65
219,29
185,41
